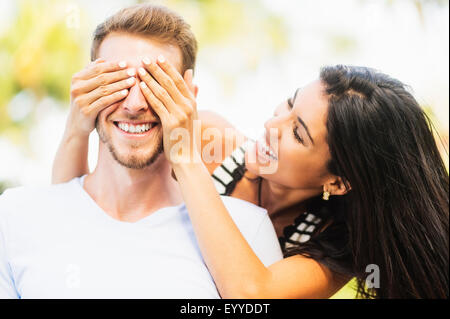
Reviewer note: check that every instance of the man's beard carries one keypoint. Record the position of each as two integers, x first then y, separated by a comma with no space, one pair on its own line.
133,161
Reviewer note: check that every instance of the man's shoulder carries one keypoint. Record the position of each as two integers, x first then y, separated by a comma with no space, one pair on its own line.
256,227
35,192
247,209
244,214
23,198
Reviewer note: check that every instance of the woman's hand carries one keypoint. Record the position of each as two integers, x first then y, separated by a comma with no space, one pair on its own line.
236,269
93,89
98,86
173,101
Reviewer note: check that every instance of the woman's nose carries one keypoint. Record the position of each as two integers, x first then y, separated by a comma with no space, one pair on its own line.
273,127
278,121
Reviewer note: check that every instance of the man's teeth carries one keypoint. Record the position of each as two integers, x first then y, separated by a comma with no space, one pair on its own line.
130,128
265,149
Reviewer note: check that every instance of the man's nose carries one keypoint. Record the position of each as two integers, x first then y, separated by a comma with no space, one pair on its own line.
135,101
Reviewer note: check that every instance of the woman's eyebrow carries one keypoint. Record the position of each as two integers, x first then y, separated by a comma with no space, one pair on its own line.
295,95
291,100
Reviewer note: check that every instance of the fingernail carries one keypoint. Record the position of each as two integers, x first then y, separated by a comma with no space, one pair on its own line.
161,58
141,71
130,81
143,85
146,60
131,72
122,64
124,92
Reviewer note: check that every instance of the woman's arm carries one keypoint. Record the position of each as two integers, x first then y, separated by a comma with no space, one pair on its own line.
100,85
236,269
71,158
219,139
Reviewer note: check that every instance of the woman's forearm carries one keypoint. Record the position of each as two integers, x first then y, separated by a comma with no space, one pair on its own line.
236,269
71,158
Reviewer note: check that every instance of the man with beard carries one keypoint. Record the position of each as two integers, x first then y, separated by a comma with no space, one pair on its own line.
123,230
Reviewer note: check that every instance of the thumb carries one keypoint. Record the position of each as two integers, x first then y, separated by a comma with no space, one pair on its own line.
188,78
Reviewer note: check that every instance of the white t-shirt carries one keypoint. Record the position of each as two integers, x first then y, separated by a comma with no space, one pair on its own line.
56,242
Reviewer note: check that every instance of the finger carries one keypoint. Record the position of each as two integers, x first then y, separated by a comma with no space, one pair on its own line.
188,76
188,79
95,69
176,77
107,90
106,101
103,79
157,90
99,60
155,103
164,80
96,109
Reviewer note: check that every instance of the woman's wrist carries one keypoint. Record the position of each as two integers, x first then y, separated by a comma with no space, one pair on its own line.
185,168
191,160
78,128
74,136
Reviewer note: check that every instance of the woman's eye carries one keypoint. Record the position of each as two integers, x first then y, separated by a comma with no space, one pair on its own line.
296,135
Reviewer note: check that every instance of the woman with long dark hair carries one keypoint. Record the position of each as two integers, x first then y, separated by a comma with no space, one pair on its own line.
360,188
397,212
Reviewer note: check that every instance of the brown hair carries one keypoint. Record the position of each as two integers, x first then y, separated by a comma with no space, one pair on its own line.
151,21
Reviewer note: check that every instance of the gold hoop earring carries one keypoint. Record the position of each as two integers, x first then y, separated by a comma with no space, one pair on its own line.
326,195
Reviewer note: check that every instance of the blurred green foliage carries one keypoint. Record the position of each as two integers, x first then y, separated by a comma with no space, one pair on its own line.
223,22
419,4
3,187
40,50
39,53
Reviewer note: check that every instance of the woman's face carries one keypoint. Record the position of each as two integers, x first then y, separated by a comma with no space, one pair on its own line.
302,153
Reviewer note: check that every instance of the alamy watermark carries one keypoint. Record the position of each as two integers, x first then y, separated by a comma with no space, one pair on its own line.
73,276
73,16
373,277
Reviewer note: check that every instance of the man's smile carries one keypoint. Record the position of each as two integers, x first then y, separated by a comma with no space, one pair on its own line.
135,128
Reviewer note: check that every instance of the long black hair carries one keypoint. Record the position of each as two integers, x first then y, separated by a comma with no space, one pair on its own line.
396,213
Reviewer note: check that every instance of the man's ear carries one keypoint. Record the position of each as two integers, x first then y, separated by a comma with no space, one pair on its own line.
337,186
189,79
195,90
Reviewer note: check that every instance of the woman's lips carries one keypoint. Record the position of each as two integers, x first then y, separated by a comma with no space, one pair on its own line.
265,150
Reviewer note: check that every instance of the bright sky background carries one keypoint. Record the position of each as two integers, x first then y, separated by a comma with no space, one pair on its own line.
391,38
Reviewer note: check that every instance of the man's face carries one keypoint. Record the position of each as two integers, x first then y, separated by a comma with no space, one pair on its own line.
131,131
